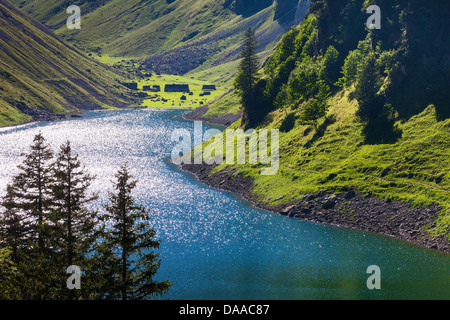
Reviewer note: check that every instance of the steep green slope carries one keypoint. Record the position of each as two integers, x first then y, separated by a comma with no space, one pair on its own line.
400,152
43,77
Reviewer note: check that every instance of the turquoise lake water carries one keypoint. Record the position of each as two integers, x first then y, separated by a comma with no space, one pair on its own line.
216,246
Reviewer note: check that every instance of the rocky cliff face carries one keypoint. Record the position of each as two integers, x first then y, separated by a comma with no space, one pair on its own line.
302,10
247,7
285,10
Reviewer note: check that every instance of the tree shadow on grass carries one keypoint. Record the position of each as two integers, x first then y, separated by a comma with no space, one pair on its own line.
381,131
288,123
320,131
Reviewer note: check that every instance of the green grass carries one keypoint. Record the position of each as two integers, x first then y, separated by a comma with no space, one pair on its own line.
10,116
110,61
174,98
221,101
228,104
417,163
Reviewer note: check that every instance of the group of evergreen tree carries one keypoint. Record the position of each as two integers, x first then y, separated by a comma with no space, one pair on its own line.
293,76
47,225
362,75
388,71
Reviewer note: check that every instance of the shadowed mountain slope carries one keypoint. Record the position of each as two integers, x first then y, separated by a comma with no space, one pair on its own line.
43,77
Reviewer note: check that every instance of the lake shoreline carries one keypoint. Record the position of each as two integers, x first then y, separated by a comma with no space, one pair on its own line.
346,209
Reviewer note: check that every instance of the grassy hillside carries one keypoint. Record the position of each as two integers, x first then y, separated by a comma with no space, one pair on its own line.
398,149
43,77
177,36
415,169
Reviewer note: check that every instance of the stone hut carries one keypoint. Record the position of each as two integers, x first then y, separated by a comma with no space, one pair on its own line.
177,88
130,85
209,87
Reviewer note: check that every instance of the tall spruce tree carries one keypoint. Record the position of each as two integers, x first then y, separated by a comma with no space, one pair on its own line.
126,261
25,220
30,189
73,223
246,78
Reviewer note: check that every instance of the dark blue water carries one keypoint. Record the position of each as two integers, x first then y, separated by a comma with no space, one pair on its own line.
216,246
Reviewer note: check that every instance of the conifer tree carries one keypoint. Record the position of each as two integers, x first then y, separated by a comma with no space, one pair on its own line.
246,77
30,189
248,66
73,223
25,221
127,262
